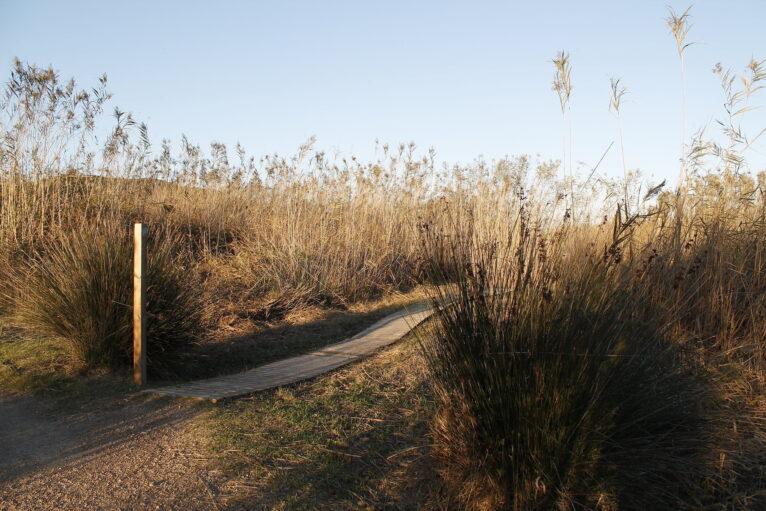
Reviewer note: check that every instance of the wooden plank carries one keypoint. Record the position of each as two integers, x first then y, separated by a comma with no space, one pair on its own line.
139,304
291,370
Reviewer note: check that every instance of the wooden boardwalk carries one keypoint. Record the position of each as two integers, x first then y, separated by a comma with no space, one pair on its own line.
290,370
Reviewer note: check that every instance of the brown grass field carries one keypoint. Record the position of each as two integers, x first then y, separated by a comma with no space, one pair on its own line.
603,347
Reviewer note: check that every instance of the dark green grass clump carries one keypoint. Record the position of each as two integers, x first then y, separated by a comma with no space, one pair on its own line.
79,290
556,387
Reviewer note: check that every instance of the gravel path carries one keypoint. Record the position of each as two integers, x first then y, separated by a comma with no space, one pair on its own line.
140,456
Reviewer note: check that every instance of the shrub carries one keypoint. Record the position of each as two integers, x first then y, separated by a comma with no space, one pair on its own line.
556,388
79,289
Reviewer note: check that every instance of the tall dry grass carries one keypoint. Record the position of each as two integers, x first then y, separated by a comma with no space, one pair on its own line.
557,386
618,364
264,235
594,367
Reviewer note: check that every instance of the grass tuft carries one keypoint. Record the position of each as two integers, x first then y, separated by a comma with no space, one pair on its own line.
558,387
79,290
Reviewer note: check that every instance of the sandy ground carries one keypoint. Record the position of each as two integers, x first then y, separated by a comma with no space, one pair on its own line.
140,455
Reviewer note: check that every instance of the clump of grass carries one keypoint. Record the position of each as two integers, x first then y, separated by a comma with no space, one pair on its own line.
556,385
79,289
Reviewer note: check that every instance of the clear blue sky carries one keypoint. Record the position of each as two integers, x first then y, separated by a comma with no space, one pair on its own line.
468,78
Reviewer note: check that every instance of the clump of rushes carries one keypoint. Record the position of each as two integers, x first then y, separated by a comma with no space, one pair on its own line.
79,290
555,389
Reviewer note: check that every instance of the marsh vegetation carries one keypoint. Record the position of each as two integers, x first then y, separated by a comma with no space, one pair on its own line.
605,344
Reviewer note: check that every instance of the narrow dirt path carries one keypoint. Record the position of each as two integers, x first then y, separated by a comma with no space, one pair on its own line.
146,452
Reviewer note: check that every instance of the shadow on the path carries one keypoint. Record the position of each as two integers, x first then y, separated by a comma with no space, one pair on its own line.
35,432
33,436
246,351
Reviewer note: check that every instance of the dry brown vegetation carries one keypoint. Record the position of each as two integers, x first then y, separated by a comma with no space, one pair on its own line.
600,367
605,344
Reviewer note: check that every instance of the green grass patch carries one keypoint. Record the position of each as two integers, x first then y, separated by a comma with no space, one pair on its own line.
46,368
354,439
32,365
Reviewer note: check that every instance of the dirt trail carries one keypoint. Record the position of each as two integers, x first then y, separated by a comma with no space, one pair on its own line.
140,455
143,452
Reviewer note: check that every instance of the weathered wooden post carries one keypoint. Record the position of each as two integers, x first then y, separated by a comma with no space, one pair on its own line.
139,304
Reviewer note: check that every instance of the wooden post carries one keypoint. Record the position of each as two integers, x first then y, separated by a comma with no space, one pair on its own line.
139,304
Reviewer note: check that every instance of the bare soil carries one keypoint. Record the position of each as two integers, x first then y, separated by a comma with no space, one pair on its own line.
143,455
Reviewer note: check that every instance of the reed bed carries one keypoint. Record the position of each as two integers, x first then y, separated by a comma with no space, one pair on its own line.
605,344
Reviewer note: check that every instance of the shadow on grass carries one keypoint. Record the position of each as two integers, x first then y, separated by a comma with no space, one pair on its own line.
44,367
373,465
354,439
671,445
